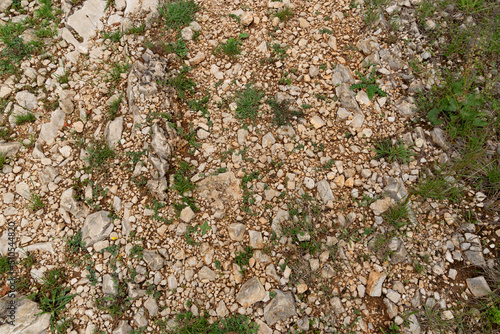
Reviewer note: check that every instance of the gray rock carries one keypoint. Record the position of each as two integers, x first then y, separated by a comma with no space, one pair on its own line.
154,260
397,250
476,258
109,285
374,284
221,309
368,45
47,175
206,274
256,241
123,328
395,63
113,132
236,231
395,189
97,226
337,305
172,282
49,130
23,190
10,149
341,74
325,191
70,204
280,217
414,326
281,307
4,4
268,140
85,22
26,100
136,7
347,98
27,320
160,143
405,108
140,318
478,286
416,301
187,33
152,306
251,292
392,310
439,138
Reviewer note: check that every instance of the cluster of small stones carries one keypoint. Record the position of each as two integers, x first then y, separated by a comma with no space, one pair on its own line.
202,275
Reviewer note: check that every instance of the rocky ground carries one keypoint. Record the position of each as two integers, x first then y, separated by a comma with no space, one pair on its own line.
157,177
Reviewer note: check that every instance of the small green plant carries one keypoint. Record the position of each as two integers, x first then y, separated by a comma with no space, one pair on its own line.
179,48
36,203
137,30
218,265
51,295
187,323
23,118
3,159
4,265
461,110
393,152
75,243
99,153
235,17
231,48
116,71
283,114
114,36
115,305
114,106
182,84
137,251
284,14
397,215
369,84
326,31
188,236
248,101
182,181
63,78
243,258
178,13
439,187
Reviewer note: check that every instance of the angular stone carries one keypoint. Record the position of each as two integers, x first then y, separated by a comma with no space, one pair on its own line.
374,284
251,292
200,56
108,285
246,19
236,231
49,130
97,226
28,319
154,260
476,258
27,100
395,189
160,143
317,122
70,204
368,45
221,309
206,274
439,138
113,132
152,306
256,241
10,149
281,307
325,192
392,310
337,305
187,214
123,328
380,206
478,286
341,74
280,217
347,98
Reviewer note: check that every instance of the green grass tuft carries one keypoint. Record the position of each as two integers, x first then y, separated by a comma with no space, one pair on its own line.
114,107
99,154
397,215
282,113
393,152
24,118
178,13
439,187
284,14
231,48
248,101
